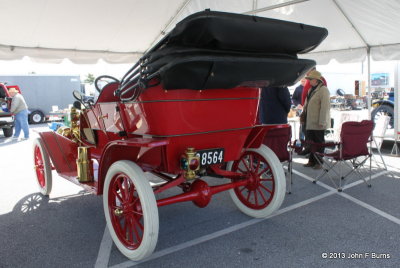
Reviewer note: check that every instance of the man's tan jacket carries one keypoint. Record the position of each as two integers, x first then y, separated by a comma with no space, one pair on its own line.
318,109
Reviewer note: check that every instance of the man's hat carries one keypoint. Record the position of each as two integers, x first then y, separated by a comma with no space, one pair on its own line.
13,90
314,75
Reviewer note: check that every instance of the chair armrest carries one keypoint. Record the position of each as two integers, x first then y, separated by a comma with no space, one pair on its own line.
314,146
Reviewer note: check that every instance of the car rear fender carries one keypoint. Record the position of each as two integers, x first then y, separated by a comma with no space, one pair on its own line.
131,149
383,102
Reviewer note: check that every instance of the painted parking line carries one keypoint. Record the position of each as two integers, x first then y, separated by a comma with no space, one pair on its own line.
371,208
355,200
220,233
361,181
103,256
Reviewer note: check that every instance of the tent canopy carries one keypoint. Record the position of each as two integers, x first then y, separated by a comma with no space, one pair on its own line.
121,31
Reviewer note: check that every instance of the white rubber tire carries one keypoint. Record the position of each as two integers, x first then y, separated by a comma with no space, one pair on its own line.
280,185
148,204
48,179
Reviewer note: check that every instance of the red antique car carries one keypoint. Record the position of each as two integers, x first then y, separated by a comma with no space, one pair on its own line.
188,109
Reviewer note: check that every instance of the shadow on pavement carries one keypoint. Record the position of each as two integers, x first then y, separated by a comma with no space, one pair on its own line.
59,232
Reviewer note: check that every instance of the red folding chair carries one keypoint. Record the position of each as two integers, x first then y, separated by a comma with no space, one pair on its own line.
278,140
352,151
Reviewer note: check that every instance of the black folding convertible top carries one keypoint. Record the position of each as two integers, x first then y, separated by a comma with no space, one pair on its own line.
223,50
236,32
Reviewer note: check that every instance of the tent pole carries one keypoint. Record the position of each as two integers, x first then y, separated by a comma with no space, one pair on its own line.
255,11
255,4
395,149
369,81
351,23
171,21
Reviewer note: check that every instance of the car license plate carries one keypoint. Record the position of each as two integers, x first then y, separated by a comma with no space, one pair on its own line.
211,156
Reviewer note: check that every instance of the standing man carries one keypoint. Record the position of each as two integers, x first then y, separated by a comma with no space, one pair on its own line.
306,88
317,115
296,98
20,109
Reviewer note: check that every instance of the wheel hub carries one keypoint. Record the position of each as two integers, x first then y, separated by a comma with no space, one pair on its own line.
37,118
253,181
118,212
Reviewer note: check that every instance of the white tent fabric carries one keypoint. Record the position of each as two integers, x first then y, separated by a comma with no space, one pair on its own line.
121,31
48,55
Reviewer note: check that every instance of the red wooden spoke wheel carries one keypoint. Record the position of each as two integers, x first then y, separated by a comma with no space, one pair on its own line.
127,214
266,185
42,167
258,193
131,210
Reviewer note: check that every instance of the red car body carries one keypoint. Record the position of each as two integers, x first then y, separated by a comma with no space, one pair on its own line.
155,130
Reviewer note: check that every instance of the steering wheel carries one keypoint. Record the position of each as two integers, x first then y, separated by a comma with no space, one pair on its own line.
103,80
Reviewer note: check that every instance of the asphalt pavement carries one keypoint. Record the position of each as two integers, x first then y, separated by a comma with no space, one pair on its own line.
317,226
